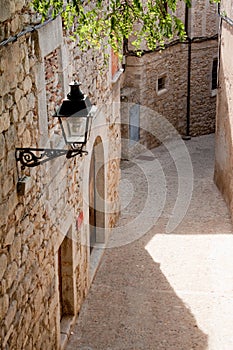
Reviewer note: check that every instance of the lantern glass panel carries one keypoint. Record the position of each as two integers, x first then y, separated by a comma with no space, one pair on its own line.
75,129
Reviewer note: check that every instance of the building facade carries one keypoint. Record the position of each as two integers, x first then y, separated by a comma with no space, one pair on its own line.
52,233
224,127
177,84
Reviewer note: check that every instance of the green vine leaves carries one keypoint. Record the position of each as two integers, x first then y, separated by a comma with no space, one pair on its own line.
96,24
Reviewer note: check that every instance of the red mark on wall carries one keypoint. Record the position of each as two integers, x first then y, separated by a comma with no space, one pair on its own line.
115,62
79,220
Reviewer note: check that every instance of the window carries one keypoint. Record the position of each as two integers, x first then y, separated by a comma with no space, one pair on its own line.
161,86
161,83
215,74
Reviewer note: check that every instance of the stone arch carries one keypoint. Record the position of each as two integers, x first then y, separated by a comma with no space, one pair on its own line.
97,195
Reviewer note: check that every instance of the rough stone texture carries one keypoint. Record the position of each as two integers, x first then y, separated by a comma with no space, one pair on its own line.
34,75
203,19
142,74
224,128
54,91
157,289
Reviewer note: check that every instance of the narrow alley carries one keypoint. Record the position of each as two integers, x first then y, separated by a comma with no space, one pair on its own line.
166,281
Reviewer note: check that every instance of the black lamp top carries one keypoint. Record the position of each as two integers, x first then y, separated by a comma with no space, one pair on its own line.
75,92
76,103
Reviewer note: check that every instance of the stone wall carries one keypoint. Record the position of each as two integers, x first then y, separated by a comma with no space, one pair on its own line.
43,228
170,67
224,127
203,19
54,91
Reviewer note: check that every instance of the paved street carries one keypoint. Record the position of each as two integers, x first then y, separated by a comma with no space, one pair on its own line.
166,281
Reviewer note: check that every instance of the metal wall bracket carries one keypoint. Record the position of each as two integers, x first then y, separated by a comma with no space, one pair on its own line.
31,157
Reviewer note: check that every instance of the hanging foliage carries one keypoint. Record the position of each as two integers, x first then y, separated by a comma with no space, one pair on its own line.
96,24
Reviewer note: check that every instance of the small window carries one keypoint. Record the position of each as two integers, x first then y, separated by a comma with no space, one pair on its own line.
161,84
215,74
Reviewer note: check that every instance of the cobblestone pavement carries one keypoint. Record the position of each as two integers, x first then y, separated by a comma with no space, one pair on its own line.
164,289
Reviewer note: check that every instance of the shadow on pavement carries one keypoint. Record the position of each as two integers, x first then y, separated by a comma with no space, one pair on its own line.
131,306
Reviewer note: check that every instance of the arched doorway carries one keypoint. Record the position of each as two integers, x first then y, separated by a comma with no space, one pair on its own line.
97,195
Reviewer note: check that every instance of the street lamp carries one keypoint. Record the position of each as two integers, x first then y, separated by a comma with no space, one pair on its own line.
73,116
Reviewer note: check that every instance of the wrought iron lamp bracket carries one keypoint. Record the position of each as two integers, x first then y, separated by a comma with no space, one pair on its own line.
75,151
31,157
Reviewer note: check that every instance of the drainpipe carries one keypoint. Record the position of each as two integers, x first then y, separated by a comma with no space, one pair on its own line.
187,136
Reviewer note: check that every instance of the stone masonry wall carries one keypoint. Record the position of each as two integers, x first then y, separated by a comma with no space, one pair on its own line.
142,76
224,127
204,18
203,98
54,91
33,226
